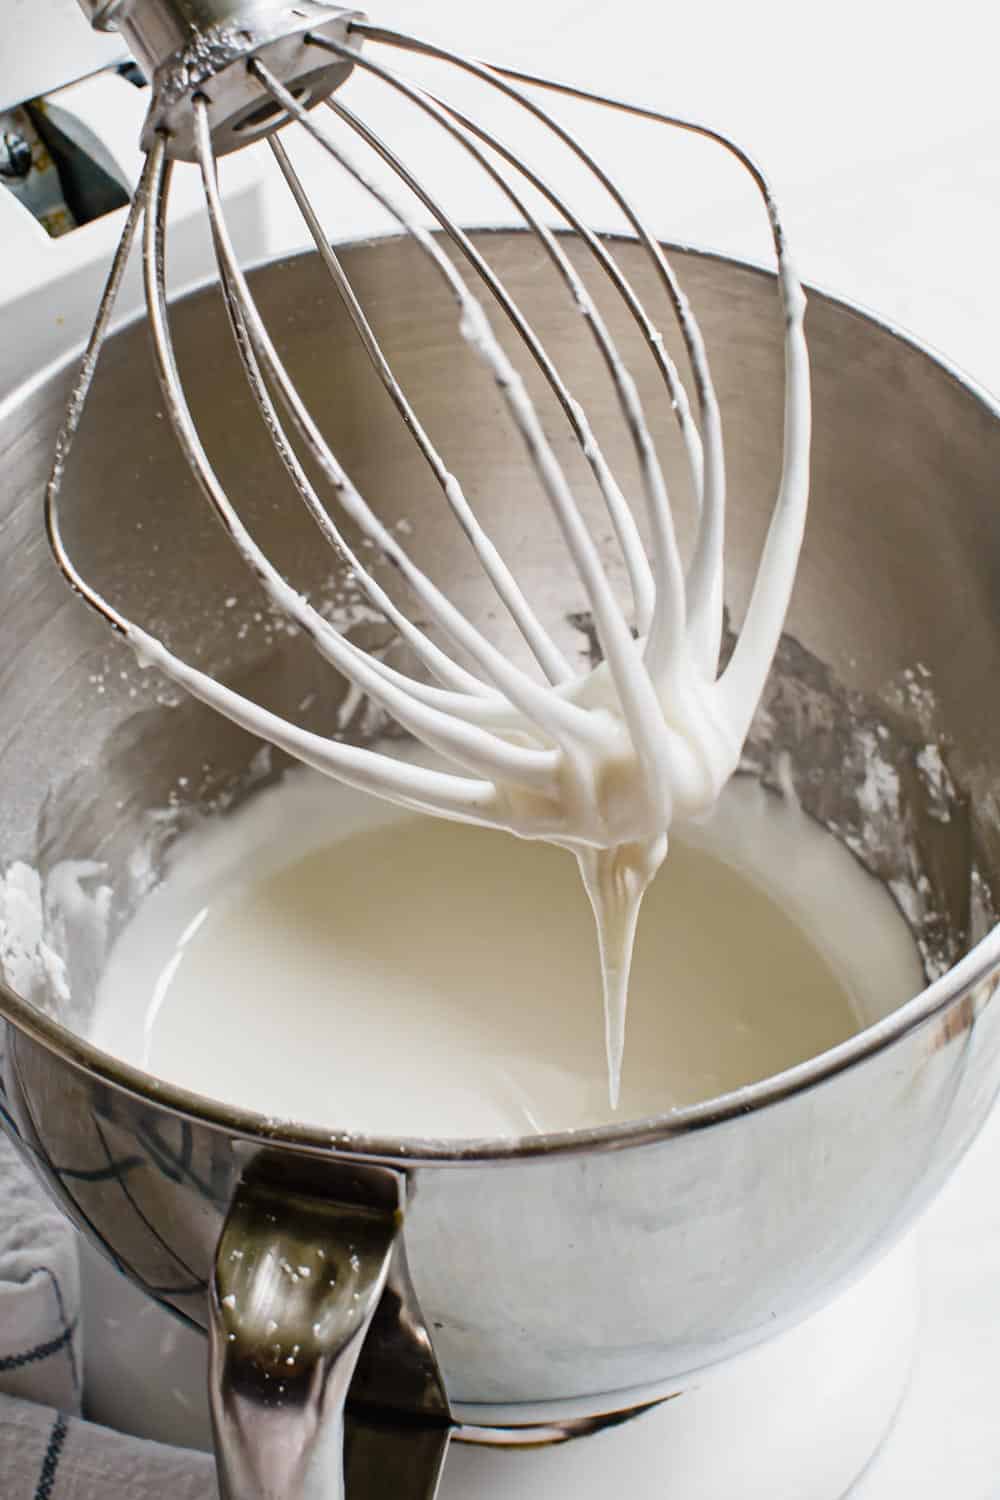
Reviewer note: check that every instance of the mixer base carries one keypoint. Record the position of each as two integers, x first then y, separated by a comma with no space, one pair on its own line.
797,1418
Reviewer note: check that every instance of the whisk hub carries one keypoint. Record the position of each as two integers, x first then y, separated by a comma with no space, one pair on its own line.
201,48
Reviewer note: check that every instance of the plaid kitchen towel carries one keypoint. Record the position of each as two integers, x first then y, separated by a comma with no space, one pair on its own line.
47,1452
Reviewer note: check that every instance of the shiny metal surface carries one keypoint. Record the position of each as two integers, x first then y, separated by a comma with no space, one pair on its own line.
297,1280
309,1266
572,1267
191,48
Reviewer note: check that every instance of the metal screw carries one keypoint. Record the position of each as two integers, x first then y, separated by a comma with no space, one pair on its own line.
15,155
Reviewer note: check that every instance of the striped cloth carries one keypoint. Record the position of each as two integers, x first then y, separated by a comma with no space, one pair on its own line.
47,1452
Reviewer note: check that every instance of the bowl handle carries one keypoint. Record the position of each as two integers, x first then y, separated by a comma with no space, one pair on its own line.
300,1271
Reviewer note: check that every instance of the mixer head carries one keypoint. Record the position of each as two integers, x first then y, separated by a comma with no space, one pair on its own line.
544,752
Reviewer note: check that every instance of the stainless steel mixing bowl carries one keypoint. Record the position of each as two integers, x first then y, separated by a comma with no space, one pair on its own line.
569,1273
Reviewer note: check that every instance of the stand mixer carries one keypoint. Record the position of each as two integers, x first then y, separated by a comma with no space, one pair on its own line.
695,1172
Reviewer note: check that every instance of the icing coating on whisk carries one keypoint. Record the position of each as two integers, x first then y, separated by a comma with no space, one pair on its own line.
600,761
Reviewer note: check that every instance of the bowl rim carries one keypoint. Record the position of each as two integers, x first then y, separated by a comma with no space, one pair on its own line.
410,1152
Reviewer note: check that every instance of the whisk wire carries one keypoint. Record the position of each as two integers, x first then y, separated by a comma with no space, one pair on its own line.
546,653
672,714
643,592
458,794
706,584
442,793
78,400
667,578
478,750
557,716
770,596
636,695
461,129
241,307
668,596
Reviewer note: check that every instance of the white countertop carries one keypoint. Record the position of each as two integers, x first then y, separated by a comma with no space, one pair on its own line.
879,124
